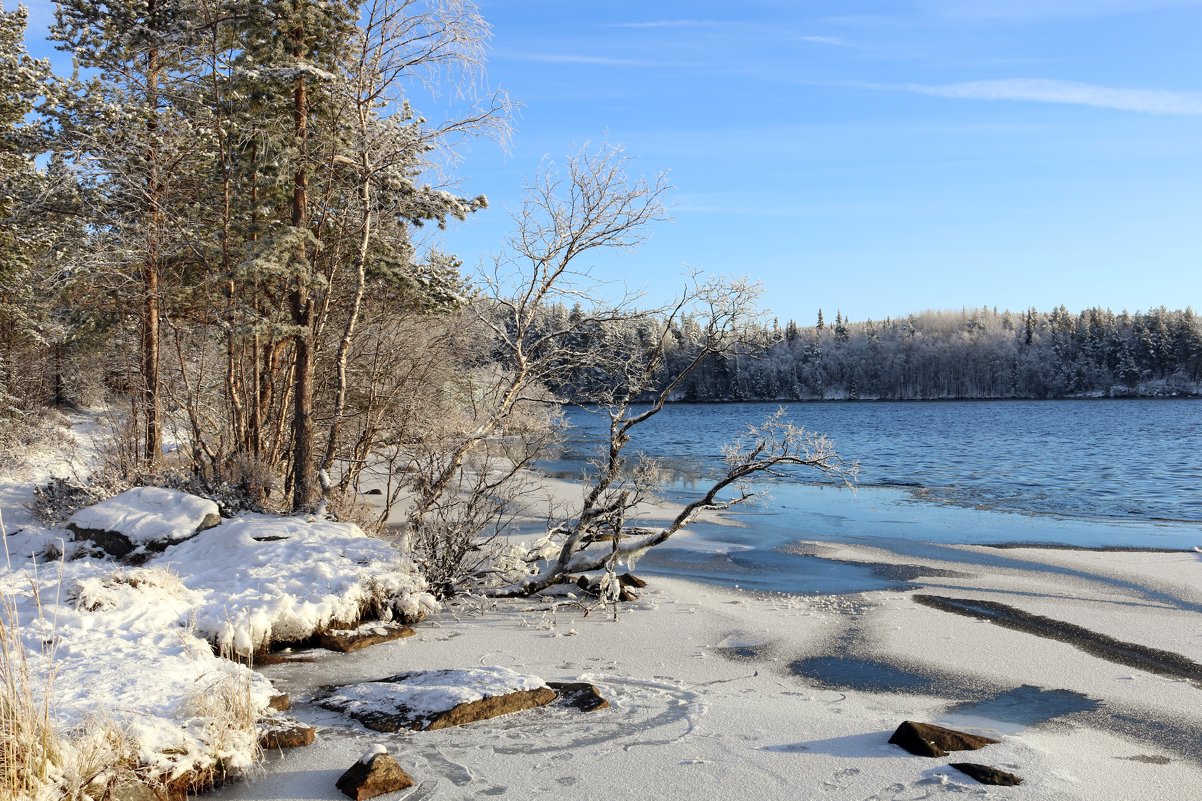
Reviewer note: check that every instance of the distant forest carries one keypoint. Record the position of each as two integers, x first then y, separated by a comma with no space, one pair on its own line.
972,353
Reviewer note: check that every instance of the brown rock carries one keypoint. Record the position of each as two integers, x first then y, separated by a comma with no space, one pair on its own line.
579,695
280,703
389,709
987,775
631,580
287,734
347,641
469,712
929,740
492,707
374,774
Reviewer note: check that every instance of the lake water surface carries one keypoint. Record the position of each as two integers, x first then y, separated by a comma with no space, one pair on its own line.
1104,473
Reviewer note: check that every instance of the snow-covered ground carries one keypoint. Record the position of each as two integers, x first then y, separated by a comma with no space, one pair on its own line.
712,691
734,695
135,648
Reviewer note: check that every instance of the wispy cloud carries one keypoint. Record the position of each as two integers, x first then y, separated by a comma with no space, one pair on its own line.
1035,90
727,25
748,204
575,58
669,23
834,41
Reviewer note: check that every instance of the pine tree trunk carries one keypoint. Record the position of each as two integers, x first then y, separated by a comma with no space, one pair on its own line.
304,473
152,422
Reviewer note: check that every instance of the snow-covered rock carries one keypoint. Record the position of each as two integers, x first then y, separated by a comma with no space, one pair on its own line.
267,580
148,518
436,699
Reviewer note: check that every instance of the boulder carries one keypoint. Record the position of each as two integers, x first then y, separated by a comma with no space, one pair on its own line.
144,520
286,734
987,775
374,774
280,703
348,640
493,707
929,740
579,695
437,699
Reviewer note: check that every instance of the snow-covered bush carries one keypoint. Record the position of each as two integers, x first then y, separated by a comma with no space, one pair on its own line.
224,713
61,497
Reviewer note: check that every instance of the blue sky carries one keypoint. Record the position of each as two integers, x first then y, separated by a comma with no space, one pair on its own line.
874,157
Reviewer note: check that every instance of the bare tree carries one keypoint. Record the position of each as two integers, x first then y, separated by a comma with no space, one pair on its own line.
461,484
593,205
597,537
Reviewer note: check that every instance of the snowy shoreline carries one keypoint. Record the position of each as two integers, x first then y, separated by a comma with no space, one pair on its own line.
749,695
706,691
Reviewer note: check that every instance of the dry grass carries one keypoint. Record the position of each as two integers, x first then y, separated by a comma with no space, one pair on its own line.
37,761
223,701
98,757
30,749
101,594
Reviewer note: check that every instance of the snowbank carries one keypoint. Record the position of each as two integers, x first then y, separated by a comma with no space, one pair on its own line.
263,579
134,648
113,647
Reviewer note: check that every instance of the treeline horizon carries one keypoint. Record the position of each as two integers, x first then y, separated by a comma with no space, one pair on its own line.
979,353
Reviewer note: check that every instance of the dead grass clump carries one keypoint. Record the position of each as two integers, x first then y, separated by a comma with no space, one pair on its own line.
224,707
99,594
30,749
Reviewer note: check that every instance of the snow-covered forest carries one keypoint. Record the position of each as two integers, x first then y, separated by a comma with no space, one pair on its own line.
973,353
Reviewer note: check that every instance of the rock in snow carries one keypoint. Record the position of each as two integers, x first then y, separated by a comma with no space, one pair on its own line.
147,518
374,774
929,740
269,581
987,775
349,640
579,695
436,699
286,733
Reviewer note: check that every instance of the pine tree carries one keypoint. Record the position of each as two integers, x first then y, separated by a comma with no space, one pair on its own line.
841,332
26,229
118,118
23,82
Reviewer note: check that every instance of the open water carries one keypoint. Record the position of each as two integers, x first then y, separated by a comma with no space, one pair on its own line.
1097,473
